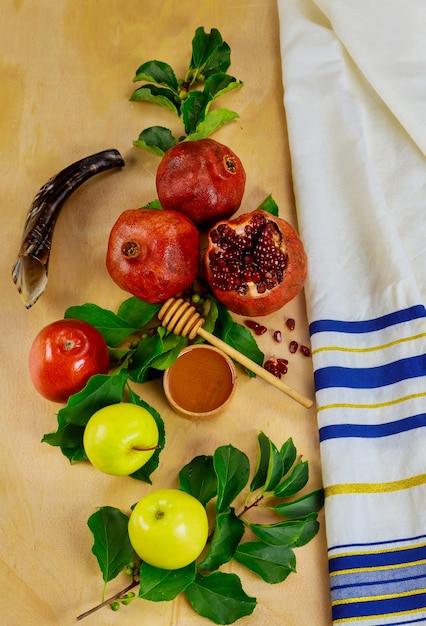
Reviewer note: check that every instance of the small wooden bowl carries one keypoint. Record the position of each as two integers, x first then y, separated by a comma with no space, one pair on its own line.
201,382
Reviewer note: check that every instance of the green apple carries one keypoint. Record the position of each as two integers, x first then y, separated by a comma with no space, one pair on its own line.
168,528
120,438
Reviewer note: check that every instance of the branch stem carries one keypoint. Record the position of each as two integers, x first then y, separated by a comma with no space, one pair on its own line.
116,596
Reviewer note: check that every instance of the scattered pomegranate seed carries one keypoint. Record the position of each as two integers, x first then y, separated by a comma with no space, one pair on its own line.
282,365
251,324
278,336
290,323
293,346
272,367
260,330
305,351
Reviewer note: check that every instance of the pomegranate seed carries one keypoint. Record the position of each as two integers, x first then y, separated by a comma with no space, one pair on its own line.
251,324
278,336
255,256
260,330
291,324
305,351
293,346
271,367
282,365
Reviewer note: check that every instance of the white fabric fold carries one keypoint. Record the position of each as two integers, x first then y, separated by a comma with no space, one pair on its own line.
354,75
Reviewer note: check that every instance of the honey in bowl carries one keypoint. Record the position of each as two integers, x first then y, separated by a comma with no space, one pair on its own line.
201,382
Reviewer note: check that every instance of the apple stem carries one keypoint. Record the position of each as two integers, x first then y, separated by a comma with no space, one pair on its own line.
116,596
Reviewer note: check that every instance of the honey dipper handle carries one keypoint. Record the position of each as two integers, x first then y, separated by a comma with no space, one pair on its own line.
254,367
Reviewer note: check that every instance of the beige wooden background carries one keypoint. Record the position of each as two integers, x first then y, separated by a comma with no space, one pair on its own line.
66,69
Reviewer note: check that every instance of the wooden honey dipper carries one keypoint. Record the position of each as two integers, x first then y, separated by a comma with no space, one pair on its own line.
181,318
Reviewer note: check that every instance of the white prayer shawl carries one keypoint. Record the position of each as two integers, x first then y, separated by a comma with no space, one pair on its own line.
354,75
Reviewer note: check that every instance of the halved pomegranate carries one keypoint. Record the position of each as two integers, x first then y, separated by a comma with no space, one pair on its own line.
153,254
255,263
202,179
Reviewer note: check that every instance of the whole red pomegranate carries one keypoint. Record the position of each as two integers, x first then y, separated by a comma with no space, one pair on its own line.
202,179
255,263
153,254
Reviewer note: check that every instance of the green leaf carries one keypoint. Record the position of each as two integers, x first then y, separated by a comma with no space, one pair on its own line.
74,455
289,453
282,533
311,503
220,598
155,139
160,585
113,328
155,353
227,535
157,72
219,61
157,95
111,544
204,47
119,357
275,468
310,529
237,336
69,437
272,563
295,482
213,120
212,314
210,54
263,452
144,472
156,205
172,347
193,110
232,469
136,312
218,84
198,478
240,338
269,205
147,350
224,321
100,390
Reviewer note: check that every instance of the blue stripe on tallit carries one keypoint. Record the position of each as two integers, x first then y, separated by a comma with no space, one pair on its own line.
370,377
377,559
382,607
367,326
370,431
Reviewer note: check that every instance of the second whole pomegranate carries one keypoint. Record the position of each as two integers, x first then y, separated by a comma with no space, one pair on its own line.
153,254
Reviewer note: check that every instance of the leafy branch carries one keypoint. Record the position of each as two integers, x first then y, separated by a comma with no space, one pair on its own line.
219,480
189,98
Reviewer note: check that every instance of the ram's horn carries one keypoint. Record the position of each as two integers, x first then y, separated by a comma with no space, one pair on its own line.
29,272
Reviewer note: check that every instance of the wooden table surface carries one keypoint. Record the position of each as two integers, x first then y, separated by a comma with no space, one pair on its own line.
66,78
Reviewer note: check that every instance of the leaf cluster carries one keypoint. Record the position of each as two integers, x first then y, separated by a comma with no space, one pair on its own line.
218,480
140,350
189,98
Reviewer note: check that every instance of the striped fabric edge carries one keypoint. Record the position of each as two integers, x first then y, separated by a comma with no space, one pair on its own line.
370,380
384,382
379,584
